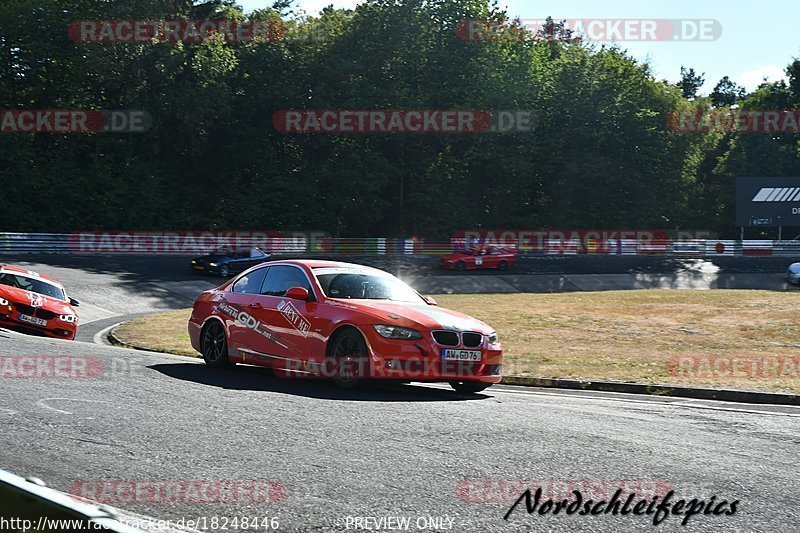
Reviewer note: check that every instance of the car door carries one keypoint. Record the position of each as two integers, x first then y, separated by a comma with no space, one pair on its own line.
290,321
240,261
492,258
235,307
480,258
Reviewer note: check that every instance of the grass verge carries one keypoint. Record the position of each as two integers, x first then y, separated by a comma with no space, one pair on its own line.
636,336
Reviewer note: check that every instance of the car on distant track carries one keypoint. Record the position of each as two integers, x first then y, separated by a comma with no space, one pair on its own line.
346,322
793,274
479,257
226,262
37,304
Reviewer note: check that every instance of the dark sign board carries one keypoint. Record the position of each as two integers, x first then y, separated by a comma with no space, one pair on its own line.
767,202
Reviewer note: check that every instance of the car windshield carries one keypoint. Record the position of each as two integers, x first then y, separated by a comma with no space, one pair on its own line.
362,285
32,284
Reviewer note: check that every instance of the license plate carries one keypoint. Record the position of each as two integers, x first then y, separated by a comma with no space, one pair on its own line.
32,320
448,354
478,261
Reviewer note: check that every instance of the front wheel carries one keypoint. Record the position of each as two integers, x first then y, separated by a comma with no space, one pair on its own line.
215,346
469,386
461,265
350,358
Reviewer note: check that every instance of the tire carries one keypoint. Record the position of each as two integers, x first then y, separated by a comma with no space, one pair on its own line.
350,357
224,271
461,265
469,386
503,265
214,345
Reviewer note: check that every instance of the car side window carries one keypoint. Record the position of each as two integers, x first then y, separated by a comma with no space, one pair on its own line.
281,278
250,283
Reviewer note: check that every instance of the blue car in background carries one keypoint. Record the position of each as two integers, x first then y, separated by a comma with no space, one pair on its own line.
225,263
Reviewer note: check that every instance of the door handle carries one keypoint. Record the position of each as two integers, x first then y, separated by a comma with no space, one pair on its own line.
255,306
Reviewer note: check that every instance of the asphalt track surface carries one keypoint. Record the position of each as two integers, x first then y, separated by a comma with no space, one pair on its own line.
390,450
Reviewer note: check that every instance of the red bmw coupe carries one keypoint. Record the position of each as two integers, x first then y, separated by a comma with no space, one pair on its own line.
341,321
37,304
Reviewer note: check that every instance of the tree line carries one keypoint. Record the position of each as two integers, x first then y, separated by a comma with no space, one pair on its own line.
601,154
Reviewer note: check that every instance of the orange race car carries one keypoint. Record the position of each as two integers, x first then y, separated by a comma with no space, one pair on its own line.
37,304
347,322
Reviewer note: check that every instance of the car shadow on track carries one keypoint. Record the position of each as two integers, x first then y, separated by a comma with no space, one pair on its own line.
262,379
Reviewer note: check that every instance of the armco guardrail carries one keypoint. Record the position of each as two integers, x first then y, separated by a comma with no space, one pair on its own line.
188,243
30,506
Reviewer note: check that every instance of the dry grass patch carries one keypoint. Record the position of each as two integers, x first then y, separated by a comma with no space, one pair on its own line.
164,332
633,335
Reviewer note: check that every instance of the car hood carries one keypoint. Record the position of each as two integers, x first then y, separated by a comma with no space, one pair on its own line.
419,315
21,296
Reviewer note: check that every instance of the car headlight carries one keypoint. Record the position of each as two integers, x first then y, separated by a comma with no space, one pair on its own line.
68,318
396,332
493,339
3,302
212,264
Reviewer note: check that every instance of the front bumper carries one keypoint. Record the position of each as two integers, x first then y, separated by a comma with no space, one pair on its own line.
205,268
55,328
422,361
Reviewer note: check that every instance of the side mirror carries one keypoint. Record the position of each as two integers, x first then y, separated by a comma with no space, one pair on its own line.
429,300
73,302
297,293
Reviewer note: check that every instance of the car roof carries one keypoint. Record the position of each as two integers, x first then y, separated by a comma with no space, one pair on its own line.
321,263
28,273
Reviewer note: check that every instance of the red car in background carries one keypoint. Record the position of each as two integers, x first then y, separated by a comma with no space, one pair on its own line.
347,322
33,303
480,257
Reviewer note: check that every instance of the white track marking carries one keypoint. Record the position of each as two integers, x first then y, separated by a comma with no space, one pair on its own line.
100,336
671,400
43,403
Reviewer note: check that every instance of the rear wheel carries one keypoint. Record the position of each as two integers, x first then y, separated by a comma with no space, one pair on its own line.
503,265
350,358
461,265
215,346
469,386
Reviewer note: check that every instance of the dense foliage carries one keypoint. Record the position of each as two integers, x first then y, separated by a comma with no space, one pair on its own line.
601,154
